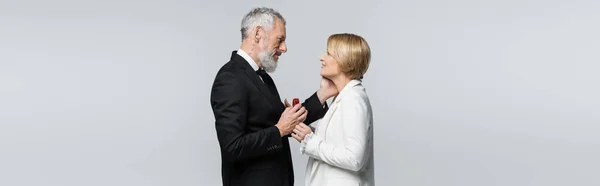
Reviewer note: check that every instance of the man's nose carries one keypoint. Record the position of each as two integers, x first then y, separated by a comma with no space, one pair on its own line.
283,47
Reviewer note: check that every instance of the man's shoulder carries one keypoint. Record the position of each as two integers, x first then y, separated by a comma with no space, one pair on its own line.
236,64
231,67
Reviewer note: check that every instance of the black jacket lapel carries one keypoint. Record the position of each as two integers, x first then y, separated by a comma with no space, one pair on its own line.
252,75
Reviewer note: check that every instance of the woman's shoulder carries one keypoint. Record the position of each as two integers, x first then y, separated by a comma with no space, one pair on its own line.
358,92
356,97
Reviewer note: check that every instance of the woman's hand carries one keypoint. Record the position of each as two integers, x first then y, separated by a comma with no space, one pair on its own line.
301,131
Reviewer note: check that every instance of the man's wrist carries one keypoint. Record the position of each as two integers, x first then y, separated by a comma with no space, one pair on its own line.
281,132
322,97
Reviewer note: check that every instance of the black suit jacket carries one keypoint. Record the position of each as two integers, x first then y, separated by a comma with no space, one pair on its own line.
252,151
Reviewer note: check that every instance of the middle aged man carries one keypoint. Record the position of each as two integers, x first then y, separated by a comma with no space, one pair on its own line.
252,123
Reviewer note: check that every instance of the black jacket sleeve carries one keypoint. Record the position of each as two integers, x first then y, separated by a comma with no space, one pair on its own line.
315,109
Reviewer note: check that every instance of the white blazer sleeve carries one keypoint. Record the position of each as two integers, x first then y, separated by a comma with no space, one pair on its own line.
352,155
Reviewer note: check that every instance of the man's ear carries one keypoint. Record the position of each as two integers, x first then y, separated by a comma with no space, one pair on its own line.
257,34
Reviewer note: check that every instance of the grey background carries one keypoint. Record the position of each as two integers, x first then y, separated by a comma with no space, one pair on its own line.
465,93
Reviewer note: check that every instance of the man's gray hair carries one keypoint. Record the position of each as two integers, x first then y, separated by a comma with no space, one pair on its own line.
261,16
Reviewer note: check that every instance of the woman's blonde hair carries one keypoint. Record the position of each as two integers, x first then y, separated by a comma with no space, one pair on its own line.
352,53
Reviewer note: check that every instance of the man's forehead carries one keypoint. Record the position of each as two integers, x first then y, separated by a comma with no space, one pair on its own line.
279,27
279,24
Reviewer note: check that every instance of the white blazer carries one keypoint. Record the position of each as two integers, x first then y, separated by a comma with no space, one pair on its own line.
341,146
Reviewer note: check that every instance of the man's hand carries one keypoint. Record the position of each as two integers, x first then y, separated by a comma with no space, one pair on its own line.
290,117
302,117
301,131
286,103
326,90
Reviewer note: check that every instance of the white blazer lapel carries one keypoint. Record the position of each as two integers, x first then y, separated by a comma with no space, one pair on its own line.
323,125
321,129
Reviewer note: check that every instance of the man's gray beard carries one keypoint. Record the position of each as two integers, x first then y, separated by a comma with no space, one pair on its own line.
268,61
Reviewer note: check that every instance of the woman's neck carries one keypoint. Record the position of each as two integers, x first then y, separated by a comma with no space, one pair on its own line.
340,82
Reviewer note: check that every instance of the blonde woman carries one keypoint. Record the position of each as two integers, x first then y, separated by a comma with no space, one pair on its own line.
340,148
